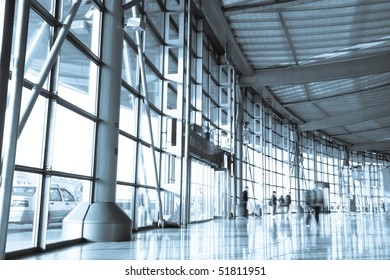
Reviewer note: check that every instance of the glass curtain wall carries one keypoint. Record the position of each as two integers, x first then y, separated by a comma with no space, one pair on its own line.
366,186
351,180
164,46
54,155
140,128
54,169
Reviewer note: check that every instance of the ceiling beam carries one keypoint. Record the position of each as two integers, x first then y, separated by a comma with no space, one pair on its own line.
371,146
315,73
378,91
361,132
220,27
263,6
347,118
288,37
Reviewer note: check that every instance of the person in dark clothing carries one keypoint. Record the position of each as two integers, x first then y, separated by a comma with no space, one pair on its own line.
287,200
281,203
309,204
317,204
273,203
316,210
281,200
313,202
245,201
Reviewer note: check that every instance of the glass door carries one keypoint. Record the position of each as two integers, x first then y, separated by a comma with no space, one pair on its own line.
201,192
222,195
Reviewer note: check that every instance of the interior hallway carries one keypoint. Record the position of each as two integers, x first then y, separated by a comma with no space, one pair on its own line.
357,236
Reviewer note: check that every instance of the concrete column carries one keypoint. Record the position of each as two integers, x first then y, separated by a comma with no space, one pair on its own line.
297,169
238,149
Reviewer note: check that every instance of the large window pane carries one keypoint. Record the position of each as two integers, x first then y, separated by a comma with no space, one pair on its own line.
128,112
146,207
172,98
23,212
170,176
37,46
73,143
171,207
130,66
126,160
213,91
213,112
65,194
153,10
124,199
86,26
30,143
153,49
77,81
205,106
146,171
154,87
214,67
145,131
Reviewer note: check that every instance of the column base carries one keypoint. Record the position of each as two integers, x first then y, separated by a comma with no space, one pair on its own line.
100,222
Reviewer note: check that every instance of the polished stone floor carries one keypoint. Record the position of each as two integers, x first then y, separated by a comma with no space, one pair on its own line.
338,236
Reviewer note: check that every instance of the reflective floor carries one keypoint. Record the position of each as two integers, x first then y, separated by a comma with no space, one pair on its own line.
286,237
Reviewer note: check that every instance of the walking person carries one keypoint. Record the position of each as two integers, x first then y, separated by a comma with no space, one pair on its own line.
273,203
287,200
245,201
317,204
314,202
281,203
309,204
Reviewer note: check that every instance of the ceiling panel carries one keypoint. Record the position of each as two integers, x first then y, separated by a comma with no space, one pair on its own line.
294,34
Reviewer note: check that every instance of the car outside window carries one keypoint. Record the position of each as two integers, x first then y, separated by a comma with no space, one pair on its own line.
67,195
24,190
55,195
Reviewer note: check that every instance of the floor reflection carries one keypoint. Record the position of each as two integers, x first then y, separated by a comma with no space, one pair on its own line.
285,237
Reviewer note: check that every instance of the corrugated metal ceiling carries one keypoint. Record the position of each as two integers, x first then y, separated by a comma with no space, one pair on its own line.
323,61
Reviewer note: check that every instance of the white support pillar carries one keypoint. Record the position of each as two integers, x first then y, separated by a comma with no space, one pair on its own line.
187,121
238,149
7,8
12,120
